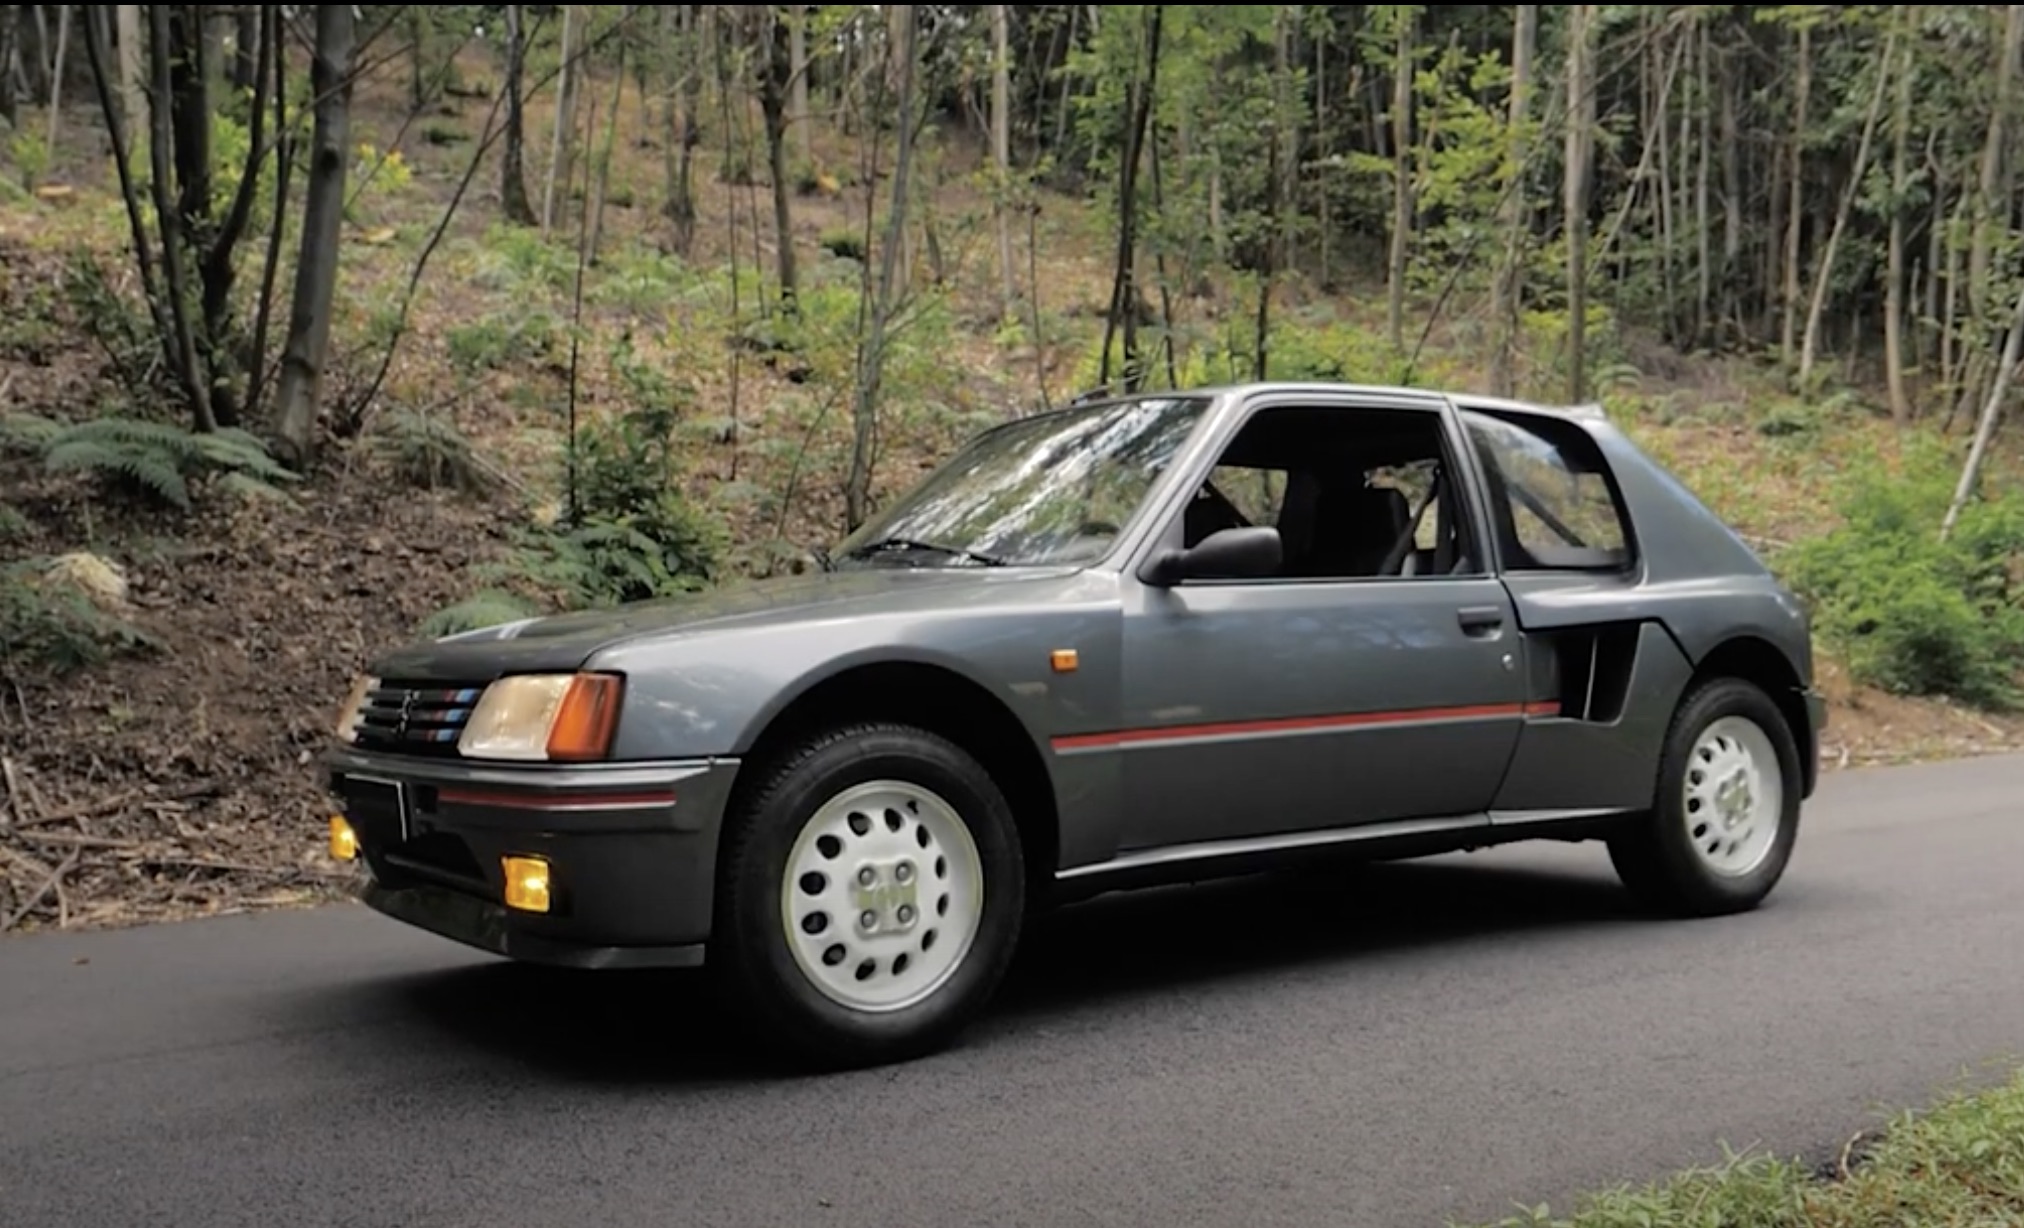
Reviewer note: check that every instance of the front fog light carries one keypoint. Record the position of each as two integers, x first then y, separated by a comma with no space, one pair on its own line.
526,883
343,840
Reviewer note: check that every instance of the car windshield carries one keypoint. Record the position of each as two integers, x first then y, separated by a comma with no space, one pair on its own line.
1052,489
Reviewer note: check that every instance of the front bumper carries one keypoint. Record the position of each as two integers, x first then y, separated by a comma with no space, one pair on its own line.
631,850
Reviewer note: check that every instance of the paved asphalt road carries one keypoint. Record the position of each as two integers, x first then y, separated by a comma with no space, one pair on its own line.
1466,1033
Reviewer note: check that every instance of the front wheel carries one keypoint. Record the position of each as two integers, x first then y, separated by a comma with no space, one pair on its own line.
870,895
1727,811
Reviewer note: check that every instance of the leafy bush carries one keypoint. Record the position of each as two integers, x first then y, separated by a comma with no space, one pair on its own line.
1915,615
153,460
635,535
429,451
485,609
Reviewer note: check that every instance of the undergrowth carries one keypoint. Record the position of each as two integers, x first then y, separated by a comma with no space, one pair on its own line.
1960,1163
1909,612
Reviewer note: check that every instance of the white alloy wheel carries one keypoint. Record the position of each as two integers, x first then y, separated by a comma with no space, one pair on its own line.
882,895
1733,796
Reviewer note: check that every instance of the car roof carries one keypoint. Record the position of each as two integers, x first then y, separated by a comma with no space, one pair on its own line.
1588,411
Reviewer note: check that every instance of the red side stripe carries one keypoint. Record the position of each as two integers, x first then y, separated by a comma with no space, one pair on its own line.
1301,724
552,801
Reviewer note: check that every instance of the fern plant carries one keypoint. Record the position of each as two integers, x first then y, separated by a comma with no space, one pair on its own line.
429,451
160,461
484,609
55,626
27,434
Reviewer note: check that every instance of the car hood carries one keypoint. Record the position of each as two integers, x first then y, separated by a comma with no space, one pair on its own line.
565,641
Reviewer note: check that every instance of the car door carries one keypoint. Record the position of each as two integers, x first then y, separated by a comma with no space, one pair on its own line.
1325,696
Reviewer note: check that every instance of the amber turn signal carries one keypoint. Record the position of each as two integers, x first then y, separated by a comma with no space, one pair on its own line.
586,718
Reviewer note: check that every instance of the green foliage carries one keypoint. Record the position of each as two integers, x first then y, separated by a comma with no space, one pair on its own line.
487,608
157,461
1962,1162
1915,615
635,534
30,155
51,626
494,341
31,324
517,259
844,242
429,451
116,321
26,434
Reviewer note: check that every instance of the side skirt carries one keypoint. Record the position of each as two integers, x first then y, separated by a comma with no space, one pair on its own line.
1399,840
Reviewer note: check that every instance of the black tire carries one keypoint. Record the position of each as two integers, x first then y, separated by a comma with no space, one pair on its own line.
1655,858
749,948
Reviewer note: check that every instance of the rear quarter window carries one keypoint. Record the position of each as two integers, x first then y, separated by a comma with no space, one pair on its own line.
1553,503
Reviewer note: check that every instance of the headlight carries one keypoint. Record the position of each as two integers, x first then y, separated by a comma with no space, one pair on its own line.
563,717
354,704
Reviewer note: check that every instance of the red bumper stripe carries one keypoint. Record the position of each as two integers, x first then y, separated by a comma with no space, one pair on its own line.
579,800
1301,724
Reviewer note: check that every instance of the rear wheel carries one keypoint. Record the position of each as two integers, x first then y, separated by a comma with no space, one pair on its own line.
1727,810
870,894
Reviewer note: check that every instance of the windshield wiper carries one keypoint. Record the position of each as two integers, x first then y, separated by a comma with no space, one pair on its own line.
887,545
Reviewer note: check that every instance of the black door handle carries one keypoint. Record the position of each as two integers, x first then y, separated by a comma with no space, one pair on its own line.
1480,617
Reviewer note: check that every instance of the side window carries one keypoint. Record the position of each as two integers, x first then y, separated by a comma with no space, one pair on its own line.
1354,493
1551,497
1257,492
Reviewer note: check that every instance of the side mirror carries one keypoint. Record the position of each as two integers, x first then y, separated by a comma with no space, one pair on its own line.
1227,554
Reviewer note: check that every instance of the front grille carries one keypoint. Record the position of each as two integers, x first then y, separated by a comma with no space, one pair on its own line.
415,718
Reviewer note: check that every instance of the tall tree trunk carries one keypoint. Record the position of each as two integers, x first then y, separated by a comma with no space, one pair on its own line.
1517,151
1988,203
681,206
1662,199
168,329
1001,155
1991,206
1704,288
1580,123
775,75
1402,186
1825,272
1277,157
871,353
56,75
797,92
10,43
565,106
1124,295
249,49
1894,275
133,77
184,361
601,189
1796,206
308,342
513,164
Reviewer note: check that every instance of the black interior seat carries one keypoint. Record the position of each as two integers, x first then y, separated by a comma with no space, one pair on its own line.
1352,529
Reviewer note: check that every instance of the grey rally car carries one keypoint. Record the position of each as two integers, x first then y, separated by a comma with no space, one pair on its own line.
1132,641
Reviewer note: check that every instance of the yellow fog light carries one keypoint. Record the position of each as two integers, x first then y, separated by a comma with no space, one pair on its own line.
526,883
343,840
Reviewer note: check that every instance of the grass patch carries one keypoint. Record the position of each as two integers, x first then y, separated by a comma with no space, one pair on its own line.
1959,1163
